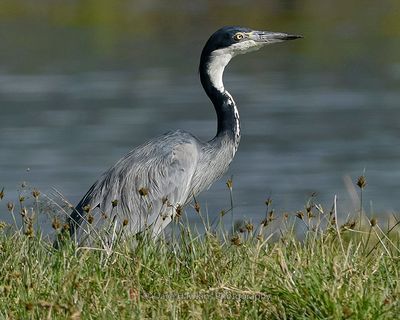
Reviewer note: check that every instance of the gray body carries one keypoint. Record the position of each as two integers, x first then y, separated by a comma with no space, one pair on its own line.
146,188
153,180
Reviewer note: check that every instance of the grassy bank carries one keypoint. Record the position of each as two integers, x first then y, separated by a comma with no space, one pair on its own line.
330,271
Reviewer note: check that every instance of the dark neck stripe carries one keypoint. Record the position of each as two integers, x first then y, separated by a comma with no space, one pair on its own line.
227,115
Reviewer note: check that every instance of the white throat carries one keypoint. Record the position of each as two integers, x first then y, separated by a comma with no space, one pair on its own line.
216,66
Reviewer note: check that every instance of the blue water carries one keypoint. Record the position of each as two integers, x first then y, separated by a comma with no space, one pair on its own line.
315,114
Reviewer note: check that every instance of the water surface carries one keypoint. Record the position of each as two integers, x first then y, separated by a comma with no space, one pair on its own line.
79,89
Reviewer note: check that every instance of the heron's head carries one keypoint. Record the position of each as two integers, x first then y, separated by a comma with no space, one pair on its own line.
228,42
239,40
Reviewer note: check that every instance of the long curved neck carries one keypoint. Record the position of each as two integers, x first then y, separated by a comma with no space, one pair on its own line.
211,71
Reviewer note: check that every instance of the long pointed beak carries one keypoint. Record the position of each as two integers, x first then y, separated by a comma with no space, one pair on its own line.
268,37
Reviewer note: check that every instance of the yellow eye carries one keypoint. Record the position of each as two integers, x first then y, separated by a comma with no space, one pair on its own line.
238,36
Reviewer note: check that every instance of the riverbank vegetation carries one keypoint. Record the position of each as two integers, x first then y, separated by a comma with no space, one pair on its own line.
287,266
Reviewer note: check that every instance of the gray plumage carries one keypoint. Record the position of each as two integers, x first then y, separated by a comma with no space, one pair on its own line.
145,188
152,180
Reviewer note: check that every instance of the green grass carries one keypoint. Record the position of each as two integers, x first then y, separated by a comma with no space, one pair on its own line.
328,272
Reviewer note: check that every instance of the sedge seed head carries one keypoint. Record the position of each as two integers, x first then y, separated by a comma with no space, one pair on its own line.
178,211
197,207
10,206
249,227
90,218
143,192
235,240
86,208
348,225
24,212
56,224
361,182
229,184
125,222
29,231
265,222
286,216
271,215
300,215
114,203
36,194
2,194
373,222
